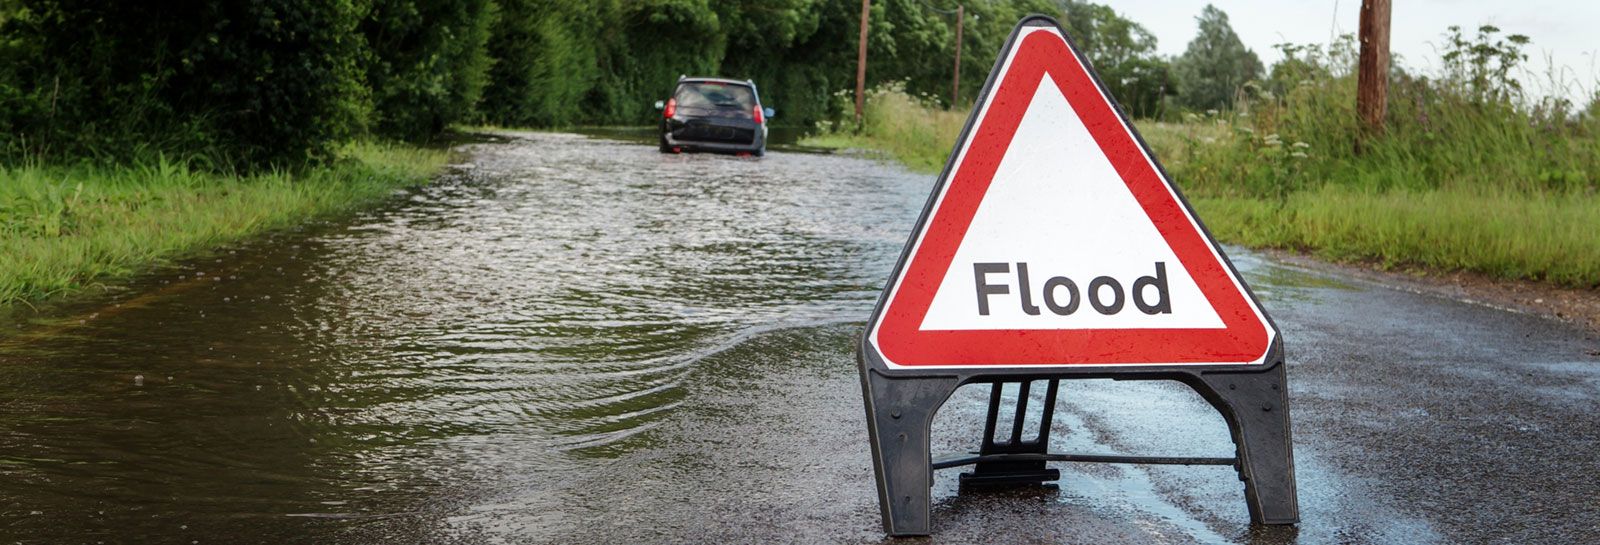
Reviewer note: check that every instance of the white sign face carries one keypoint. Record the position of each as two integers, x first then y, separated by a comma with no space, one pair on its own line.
1056,182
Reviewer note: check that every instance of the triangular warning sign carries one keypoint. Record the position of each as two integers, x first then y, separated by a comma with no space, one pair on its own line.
1054,239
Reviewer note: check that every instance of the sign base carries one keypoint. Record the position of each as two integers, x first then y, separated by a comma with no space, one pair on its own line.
1013,461
900,414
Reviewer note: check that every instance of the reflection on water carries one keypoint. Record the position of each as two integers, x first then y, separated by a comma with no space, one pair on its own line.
530,312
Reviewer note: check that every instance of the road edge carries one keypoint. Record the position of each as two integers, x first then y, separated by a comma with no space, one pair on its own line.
1573,306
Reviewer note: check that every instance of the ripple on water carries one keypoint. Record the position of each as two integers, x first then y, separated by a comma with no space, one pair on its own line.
555,297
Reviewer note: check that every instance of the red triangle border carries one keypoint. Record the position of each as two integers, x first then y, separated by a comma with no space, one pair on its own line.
1245,337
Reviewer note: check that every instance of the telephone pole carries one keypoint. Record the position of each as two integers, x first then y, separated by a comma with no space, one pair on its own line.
1372,80
861,59
955,84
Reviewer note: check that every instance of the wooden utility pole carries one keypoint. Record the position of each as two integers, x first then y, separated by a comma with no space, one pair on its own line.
1372,81
955,83
861,60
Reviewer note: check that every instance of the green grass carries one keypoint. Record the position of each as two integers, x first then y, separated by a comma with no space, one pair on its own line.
1451,186
67,228
1540,236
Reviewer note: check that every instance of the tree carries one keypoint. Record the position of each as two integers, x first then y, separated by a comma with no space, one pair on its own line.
1123,53
546,60
1106,37
1215,65
809,52
427,65
243,84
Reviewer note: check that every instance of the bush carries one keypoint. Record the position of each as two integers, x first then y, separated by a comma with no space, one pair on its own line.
238,84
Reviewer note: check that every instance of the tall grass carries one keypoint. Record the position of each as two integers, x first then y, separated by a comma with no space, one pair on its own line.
65,228
914,131
1462,178
1467,173
1433,138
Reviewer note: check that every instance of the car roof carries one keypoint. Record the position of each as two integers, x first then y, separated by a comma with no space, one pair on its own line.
686,79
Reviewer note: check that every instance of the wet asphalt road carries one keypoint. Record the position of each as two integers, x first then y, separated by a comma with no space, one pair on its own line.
581,341
1417,420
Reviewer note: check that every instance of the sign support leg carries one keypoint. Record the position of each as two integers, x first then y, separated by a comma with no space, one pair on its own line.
1015,472
899,422
1256,407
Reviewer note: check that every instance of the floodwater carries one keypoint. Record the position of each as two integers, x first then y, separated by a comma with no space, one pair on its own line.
578,340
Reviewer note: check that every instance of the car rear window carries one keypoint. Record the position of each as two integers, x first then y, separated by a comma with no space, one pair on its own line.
715,96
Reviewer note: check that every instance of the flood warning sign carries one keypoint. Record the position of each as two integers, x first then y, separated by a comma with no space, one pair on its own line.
1053,239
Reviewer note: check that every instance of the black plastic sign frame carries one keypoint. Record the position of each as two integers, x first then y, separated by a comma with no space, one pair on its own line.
901,401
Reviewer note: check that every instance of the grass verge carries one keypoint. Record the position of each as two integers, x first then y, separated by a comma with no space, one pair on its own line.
66,228
1539,236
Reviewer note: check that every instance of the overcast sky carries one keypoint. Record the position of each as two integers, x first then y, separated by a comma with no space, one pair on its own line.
1567,30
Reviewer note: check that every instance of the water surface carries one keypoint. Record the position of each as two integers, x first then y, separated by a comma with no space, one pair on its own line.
536,307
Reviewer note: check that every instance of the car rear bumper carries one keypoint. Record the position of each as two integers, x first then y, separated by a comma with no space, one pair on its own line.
726,147
714,131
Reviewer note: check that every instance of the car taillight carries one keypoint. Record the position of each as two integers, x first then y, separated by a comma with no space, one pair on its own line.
671,109
759,118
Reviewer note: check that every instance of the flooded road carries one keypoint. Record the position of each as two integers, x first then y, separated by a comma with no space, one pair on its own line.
575,340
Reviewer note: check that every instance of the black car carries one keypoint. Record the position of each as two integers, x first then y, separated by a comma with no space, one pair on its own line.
714,114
